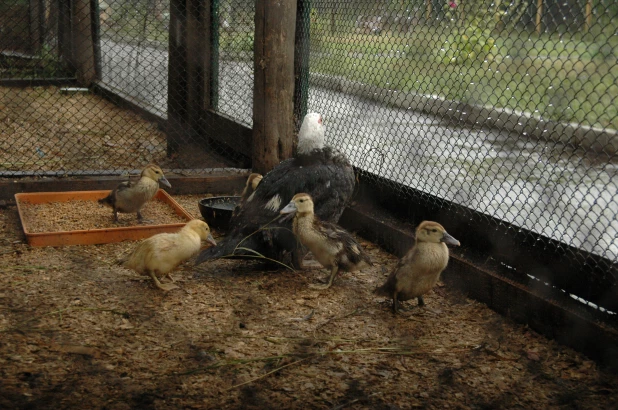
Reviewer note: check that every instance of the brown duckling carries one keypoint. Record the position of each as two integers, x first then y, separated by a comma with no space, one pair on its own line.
161,253
129,197
252,183
419,270
330,244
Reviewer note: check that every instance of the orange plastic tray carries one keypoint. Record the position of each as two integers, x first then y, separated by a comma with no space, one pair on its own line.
93,236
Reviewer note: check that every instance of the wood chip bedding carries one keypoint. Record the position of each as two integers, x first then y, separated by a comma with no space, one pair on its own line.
85,215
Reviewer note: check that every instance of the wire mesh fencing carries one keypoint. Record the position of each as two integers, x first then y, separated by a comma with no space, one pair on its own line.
117,48
507,108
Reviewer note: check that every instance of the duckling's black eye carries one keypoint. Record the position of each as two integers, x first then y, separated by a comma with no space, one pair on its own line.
434,230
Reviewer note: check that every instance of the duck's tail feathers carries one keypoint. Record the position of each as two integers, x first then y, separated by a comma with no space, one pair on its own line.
382,290
106,201
226,248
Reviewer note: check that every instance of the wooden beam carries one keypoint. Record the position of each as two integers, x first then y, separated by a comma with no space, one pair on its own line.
221,183
36,82
273,98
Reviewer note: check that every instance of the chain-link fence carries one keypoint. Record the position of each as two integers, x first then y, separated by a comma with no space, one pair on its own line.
507,108
76,51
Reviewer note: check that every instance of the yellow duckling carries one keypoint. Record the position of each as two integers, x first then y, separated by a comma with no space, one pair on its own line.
419,270
129,197
332,246
161,253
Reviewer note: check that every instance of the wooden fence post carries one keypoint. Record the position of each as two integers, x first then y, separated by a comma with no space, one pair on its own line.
36,25
273,94
190,89
65,41
83,45
301,62
177,77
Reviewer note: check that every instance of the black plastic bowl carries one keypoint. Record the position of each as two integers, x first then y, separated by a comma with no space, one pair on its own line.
217,210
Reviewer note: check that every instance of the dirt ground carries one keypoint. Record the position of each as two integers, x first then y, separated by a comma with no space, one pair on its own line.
79,331
43,129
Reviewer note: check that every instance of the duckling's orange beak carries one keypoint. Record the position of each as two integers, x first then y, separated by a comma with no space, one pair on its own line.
449,240
210,239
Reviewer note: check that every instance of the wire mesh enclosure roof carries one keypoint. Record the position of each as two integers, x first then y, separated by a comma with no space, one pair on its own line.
508,109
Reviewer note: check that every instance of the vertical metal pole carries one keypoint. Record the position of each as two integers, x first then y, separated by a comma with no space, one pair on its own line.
301,61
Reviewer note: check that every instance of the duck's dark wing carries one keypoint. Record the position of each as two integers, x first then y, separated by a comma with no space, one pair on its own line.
404,265
111,198
353,250
324,174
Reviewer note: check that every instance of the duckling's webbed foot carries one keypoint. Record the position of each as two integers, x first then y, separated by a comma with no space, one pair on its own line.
141,220
162,286
169,275
333,273
395,303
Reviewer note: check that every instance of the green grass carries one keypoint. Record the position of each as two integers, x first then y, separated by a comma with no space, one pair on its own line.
570,79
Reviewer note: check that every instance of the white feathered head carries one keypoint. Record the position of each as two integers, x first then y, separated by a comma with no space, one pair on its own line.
311,134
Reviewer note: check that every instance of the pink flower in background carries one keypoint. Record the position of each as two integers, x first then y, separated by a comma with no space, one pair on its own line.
452,4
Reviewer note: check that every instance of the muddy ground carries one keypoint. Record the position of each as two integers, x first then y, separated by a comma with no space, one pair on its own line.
79,331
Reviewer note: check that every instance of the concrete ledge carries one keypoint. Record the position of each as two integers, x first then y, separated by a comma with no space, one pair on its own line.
600,140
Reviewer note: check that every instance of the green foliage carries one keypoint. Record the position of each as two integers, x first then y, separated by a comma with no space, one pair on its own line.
474,43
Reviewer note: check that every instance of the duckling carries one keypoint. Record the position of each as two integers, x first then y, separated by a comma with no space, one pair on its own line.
129,197
161,253
419,270
330,244
252,183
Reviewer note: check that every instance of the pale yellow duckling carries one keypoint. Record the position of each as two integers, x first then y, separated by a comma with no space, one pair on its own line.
129,197
419,270
161,253
330,244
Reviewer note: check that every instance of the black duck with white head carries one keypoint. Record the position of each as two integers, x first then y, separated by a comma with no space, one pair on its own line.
318,170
